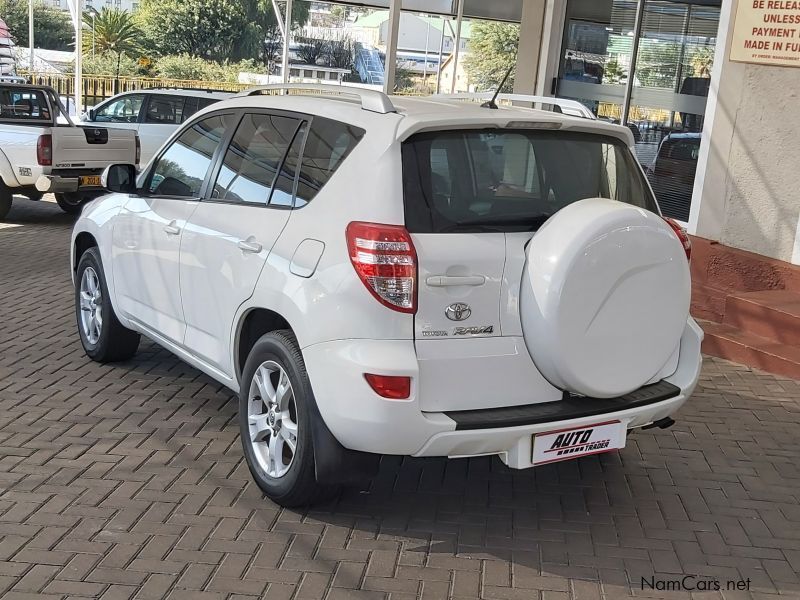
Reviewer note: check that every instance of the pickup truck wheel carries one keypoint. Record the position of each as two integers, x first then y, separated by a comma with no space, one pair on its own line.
104,338
6,197
70,202
275,421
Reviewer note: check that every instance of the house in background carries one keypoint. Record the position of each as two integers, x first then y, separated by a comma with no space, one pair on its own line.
462,78
417,34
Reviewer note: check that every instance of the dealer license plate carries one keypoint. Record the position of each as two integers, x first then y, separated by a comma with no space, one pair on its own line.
89,180
566,444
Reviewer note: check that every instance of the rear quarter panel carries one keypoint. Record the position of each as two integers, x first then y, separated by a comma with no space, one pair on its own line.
333,303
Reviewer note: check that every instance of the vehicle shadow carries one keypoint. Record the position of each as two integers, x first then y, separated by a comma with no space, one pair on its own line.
701,499
715,496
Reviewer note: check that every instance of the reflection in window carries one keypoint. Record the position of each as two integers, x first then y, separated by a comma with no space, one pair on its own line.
283,192
181,170
327,145
253,158
123,110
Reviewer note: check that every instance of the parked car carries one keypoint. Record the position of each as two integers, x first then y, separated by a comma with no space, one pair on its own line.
672,173
405,276
155,114
41,150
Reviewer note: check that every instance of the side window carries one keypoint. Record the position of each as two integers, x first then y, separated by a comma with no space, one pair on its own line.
19,104
181,170
252,160
327,146
122,110
190,106
283,191
165,110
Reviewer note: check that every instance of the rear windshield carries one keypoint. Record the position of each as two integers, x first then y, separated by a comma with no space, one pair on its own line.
500,180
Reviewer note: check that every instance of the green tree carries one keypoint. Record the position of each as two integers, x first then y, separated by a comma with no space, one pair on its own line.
183,66
110,64
111,31
52,28
492,52
213,29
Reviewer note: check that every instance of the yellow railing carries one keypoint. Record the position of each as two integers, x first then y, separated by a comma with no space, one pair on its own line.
96,88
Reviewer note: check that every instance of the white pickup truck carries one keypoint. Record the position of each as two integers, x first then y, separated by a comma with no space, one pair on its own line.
42,150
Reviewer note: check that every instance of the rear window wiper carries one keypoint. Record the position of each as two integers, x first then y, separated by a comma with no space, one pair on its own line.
498,224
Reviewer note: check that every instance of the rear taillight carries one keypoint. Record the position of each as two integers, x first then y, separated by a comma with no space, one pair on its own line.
138,149
385,260
682,236
44,150
393,387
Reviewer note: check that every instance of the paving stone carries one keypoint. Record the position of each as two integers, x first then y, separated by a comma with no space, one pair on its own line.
126,481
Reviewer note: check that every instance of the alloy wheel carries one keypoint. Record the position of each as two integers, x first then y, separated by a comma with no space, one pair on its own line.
91,297
272,419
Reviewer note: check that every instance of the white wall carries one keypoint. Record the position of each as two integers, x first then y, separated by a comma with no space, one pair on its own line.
746,193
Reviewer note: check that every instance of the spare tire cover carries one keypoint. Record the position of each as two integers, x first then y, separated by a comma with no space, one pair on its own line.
604,297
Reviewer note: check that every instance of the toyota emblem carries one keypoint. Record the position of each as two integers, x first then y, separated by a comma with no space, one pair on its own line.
458,311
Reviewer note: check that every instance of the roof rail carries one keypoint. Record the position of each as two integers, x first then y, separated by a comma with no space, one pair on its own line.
574,107
372,100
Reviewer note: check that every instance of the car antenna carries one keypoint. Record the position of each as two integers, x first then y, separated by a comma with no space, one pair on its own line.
491,103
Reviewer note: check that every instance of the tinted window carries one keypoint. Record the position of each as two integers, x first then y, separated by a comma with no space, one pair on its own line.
327,146
283,191
682,150
122,110
254,157
21,104
165,110
511,180
181,170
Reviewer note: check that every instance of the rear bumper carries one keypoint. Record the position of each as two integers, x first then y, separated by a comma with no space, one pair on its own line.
362,420
59,184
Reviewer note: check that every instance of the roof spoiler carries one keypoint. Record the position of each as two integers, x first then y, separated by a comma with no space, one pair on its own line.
371,100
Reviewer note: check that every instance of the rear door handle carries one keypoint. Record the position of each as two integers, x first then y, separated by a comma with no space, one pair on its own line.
172,228
250,246
451,280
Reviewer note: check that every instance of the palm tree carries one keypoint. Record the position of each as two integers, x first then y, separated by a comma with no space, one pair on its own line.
112,30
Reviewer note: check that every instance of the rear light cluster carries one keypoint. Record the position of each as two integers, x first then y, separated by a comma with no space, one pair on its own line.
386,262
682,236
44,150
138,149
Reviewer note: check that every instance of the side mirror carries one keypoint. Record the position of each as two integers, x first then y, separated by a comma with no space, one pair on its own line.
119,178
90,112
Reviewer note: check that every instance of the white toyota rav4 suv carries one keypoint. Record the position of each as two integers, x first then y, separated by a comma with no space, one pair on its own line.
376,275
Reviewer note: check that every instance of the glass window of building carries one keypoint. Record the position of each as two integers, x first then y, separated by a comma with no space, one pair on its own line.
664,86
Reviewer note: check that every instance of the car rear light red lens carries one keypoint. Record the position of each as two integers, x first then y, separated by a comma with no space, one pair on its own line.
682,236
393,387
386,262
44,150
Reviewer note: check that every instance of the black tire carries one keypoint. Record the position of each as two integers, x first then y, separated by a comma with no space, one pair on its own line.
298,486
35,196
114,342
71,202
6,198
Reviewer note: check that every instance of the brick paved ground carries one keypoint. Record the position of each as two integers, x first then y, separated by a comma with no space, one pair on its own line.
127,481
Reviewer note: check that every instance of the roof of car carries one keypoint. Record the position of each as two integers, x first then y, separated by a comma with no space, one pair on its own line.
418,113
